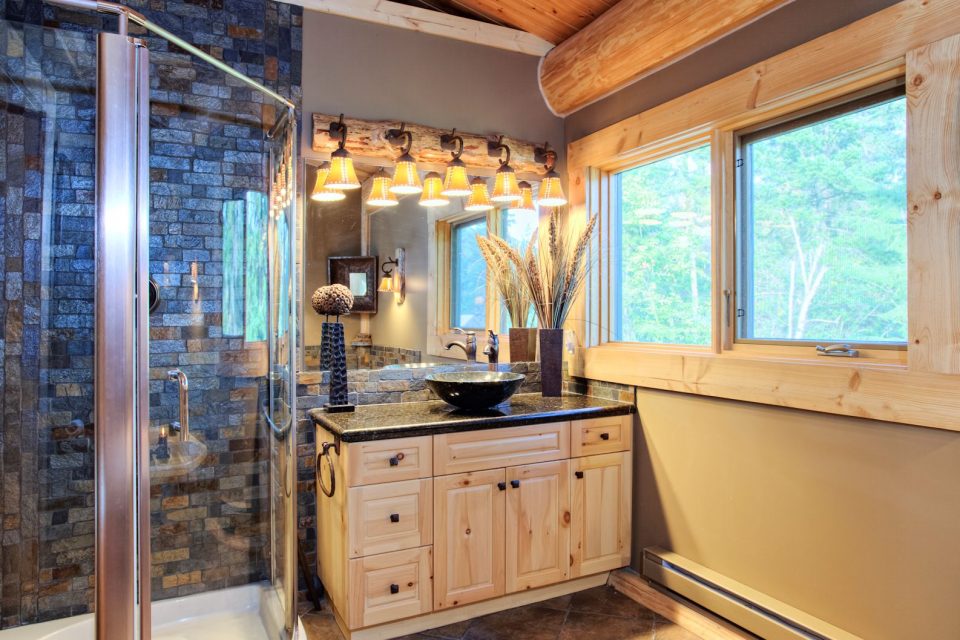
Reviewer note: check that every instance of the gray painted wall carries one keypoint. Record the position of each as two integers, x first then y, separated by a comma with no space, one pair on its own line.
405,325
792,25
376,72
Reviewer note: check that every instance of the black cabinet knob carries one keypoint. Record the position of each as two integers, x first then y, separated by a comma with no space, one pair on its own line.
604,436
579,474
502,486
394,461
394,588
394,517
514,483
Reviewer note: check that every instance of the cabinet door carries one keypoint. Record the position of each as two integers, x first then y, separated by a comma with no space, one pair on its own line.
468,537
601,511
538,525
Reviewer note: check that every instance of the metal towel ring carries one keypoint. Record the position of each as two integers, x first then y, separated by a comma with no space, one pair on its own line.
325,453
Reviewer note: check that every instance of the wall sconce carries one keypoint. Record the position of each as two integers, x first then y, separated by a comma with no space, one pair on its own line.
394,279
432,195
456,183
505,187
342,174
322,193
526,198
406,180
551,191
479,199
380,194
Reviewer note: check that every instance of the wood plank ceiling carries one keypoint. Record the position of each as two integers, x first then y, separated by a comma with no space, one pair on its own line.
552,20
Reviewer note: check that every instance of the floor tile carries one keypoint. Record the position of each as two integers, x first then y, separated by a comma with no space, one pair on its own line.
453,631
592,626
609,602
560,602
321,626
531,622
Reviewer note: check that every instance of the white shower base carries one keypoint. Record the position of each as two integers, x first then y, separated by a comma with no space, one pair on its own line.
250,612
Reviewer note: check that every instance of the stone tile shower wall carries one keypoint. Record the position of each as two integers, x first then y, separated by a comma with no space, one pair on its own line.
210,528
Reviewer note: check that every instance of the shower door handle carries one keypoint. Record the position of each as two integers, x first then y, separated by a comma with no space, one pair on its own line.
184,387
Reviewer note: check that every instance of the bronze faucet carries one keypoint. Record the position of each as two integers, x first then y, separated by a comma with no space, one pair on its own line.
468,344
492,350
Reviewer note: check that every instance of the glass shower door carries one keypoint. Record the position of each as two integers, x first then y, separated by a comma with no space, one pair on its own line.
47,218
216,469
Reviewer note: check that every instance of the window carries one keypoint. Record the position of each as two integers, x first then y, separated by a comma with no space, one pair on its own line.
517,227
822,226
468,275
662,213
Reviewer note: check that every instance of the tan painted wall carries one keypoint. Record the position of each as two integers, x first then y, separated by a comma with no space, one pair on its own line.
854,521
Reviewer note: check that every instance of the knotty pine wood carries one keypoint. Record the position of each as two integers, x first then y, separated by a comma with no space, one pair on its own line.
601,512
538,525
634,39
504,447
469,526
933,206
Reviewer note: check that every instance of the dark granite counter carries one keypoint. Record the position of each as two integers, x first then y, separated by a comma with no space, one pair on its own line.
404,419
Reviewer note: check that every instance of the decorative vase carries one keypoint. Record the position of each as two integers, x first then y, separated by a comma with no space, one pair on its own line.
551,362
523,345
333,352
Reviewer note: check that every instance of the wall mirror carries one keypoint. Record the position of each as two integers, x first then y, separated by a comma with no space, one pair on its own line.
428,276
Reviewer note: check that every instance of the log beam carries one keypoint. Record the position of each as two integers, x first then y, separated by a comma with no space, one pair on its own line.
633,39
367,139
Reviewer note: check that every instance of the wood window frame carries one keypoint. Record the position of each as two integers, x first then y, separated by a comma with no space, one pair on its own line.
914,40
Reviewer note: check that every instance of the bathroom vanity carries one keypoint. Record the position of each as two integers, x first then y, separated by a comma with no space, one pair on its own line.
438,515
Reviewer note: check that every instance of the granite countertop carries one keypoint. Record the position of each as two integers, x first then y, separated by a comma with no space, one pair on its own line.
404,419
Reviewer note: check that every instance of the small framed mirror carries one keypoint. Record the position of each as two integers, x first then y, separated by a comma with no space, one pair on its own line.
359,274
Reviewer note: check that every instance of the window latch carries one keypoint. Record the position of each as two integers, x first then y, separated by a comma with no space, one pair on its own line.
838,350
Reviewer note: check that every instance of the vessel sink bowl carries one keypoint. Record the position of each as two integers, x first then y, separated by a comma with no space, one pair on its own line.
474,389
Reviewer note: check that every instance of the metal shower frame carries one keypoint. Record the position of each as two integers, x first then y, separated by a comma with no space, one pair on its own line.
121,373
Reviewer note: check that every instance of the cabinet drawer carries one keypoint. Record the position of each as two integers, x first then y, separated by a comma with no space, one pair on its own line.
497,448
601,435
388,460
390,517
389,586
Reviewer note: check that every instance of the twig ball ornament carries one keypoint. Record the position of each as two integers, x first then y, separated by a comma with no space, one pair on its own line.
332,300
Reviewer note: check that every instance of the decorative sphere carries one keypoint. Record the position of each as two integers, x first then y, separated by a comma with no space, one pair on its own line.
332,300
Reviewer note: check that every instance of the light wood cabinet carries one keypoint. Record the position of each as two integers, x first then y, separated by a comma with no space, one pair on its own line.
537,525
430,523
600,513
469,511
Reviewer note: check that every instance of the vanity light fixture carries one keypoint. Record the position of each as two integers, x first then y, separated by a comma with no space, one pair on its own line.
406,180
479,199
380,194
342,174
432,195
551,191
457,182
526,198
321,192
505,187
394,279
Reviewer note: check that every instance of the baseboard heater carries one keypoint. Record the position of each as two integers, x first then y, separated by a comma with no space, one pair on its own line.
750,609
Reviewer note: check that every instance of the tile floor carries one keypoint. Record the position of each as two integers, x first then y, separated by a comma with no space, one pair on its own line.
600,613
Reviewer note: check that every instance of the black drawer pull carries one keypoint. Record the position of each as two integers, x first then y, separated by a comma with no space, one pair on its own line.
604,436
514,483
394,517
579,474
502,486
394,461
394,588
